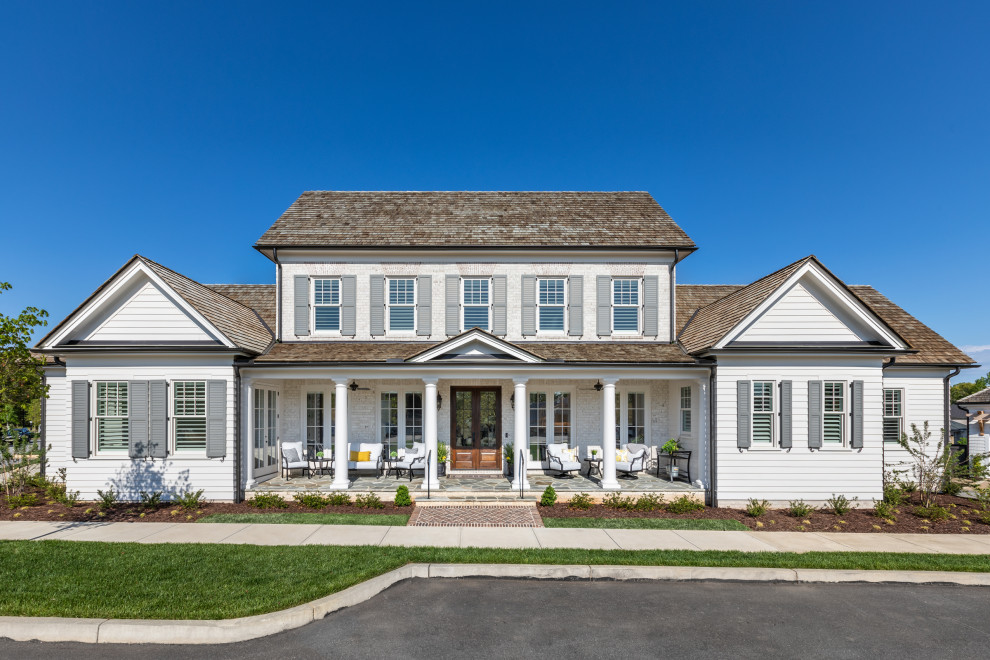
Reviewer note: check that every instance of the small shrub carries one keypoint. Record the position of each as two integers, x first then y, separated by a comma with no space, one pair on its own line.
311,500
883,509
55,490
368,501
549,497
402,497
978,469
616,501
69,499
108,499
339,499
151,500
893,494
25,499
757,508
983,497
799,509
268,501
684,504
984,518
194,499
909,487
649,502
952,488
934,513
581,501
840,505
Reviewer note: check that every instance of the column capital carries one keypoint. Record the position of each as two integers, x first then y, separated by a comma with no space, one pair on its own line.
609,380
522,380
430,380
340,380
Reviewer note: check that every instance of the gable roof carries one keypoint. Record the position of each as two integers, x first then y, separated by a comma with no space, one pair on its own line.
350,219
259,297
983,396
479,336
240,324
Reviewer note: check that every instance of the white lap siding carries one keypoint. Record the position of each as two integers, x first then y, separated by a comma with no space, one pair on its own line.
780,475
924,401
215,476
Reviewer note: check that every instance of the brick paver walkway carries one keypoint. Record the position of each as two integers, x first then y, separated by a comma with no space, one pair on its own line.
475,516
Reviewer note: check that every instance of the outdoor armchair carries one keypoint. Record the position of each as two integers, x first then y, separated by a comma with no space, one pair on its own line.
637,459
294,458
559,462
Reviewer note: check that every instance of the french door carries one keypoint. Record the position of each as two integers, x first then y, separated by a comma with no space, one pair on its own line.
264,425
476,428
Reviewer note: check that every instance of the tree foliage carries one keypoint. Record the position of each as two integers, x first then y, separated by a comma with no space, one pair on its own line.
928,462
959,390
20,372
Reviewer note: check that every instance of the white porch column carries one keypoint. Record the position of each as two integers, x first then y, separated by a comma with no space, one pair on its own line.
704,429
340,447
609,482
247,434
520,436
430,433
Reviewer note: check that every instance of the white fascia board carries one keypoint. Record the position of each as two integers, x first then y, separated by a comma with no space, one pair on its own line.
858,309
542,371
480,337
444,256
122,281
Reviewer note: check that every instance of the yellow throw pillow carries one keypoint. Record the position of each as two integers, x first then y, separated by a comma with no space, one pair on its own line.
621,456
354,456
360,456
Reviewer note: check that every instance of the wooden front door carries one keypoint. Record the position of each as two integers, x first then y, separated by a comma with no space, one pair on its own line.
476,428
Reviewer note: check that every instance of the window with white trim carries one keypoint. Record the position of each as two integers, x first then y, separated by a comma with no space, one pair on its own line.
763,411
626,306
631,423
686,409
549,421
189,415
550,304
834,414
111,416
401,419
400,305
893,415
326,305
476,307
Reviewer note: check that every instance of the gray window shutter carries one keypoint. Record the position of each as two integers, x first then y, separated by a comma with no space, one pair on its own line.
528,309
424,305
786,432
137,418
300,305
376,301
744,412
157,419
452,307
499,322
348,301
216,418
80,419
815,414
651,302
575,305
604,320
856,439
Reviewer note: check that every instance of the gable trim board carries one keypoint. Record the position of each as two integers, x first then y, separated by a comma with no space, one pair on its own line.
471,336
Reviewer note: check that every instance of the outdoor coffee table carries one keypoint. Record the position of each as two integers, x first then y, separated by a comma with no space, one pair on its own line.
321,465
594,465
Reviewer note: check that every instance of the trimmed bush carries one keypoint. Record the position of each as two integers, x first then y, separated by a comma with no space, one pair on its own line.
368,501
685,504
649,502
193,499
756,508
581,501
549,497
840,505
799,509
311,500
17,501
339,499
883,509
935,513
616,501
402,497
268,501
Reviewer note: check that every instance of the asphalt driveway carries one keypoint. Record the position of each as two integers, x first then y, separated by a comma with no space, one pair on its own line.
478,618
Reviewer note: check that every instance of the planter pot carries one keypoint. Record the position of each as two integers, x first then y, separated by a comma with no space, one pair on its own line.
507,469
442,470
674,472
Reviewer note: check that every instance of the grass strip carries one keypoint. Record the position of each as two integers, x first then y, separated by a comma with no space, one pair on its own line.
399,519
645,523
212,581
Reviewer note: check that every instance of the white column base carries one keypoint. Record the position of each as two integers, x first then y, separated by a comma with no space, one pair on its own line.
611,485
433,486
525,484
336,485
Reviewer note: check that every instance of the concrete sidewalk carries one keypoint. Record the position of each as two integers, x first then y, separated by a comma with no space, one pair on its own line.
494,537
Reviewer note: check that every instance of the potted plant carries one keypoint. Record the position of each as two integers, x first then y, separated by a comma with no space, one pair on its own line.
594,453
319,454
669,448
394,454
507,454
442,459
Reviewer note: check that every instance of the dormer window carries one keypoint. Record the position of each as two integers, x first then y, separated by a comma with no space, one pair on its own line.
550,302
326,305
626,303
477,303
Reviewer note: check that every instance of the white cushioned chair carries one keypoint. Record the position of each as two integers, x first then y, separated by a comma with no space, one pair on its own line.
375,461
560,463
638,457
294,458
411,459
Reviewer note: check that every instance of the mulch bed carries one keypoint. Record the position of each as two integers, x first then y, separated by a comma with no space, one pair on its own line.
778,520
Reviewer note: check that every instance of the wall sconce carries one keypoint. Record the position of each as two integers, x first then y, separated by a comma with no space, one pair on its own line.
512,400
353,386
598,386
439,400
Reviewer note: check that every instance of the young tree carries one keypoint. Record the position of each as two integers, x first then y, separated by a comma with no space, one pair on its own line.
928,462
20,372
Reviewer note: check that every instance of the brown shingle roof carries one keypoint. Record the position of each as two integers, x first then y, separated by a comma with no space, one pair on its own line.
475,220
259,297
983,396
692,297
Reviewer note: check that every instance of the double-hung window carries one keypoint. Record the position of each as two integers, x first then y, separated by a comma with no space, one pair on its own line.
550,305
400,305
763,426
686,409
626,303
401,419
893,415
326,305
834,413
111,416
549,421
189,415
630,418
477,303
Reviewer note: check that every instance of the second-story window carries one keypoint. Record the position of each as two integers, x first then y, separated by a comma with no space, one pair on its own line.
626,306
550,305
326,305
400,305
477,303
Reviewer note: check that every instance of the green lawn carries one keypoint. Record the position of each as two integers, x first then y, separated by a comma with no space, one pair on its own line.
645,523
310,518
210,581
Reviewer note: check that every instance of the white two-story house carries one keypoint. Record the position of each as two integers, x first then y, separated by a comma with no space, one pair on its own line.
493,323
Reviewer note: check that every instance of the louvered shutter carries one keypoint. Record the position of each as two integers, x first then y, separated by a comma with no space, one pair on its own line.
815,414
604,319
300,305
452,308
651,302
137,418
744,414
348,302
786,417
216,418
499,323
528,301
80,419
424,305
575,305
157,419
376,303
856,440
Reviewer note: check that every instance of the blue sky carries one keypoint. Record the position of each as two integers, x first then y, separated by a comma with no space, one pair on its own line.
769,130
